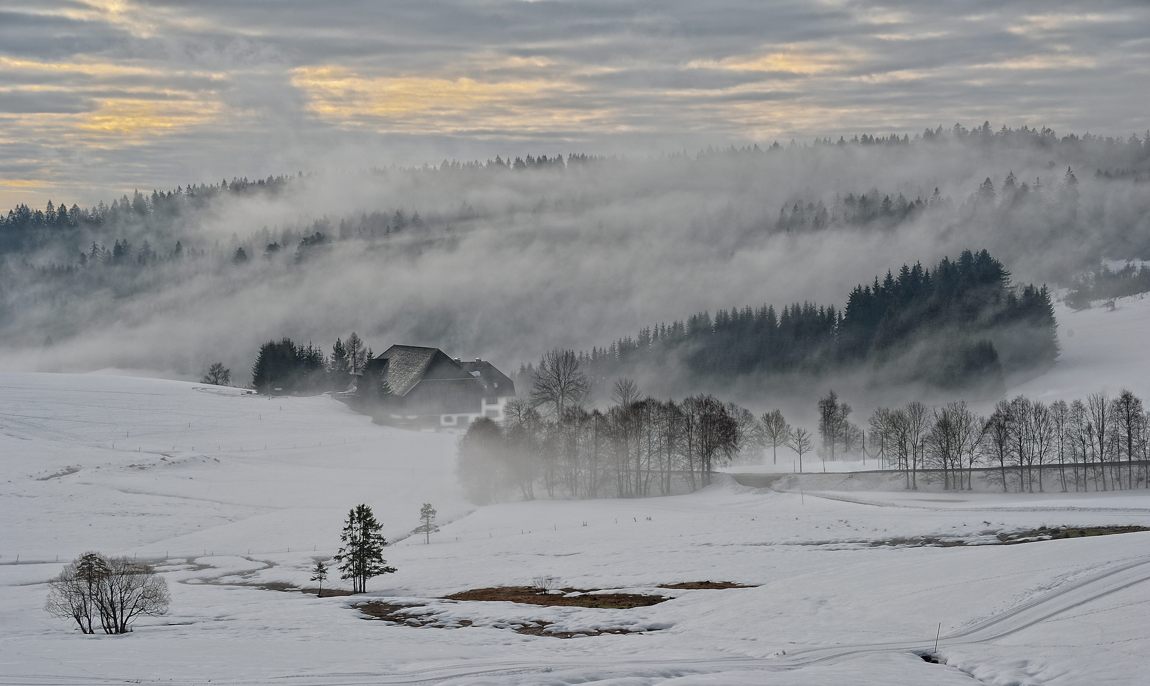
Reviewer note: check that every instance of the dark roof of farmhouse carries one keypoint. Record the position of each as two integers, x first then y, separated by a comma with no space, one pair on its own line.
403,367
406,365
494,381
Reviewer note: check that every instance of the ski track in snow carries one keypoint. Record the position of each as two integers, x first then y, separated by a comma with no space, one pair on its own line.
1038,609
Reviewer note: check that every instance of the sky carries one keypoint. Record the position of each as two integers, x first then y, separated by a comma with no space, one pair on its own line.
98,97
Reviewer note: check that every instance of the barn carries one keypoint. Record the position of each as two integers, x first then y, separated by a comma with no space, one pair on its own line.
421,386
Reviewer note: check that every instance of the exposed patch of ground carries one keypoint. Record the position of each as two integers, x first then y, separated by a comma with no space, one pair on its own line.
59,474
1055,533
921,542
1042,533
705,585
936,659
282,586
401,614
541,629
417,616
565,597
285,586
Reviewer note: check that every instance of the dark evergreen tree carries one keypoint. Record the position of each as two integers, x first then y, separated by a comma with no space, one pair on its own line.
360,556
339,367
275,368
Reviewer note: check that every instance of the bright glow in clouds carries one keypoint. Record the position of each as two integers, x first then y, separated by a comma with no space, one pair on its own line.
102,96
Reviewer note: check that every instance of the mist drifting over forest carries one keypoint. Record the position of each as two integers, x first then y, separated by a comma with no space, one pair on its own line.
506,259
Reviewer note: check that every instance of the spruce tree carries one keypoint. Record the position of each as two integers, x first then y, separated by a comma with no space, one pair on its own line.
319,575
427,522
361,555
340,367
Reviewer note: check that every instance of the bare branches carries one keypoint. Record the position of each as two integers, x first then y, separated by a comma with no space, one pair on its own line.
116,590
800,442
559,383
776,430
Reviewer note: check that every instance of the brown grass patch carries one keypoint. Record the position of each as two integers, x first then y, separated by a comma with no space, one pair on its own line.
566,597
327,592
396,614
705,585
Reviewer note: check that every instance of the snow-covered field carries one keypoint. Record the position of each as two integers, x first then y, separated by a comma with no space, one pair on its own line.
228,490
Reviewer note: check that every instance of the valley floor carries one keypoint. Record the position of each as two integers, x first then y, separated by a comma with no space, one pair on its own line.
228,491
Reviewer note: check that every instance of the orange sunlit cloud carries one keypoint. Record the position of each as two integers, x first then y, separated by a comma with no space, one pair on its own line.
431,103
794,59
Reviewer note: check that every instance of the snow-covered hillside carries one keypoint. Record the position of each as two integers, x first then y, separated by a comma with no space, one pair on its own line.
229,490
1103,350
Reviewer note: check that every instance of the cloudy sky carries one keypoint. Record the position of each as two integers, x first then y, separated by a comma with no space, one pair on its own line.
101,96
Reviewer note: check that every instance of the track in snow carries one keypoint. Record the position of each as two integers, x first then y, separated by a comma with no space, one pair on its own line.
1110,580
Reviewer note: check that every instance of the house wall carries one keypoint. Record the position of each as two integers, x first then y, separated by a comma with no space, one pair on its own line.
491,408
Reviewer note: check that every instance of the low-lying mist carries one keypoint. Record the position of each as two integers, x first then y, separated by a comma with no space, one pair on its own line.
506,263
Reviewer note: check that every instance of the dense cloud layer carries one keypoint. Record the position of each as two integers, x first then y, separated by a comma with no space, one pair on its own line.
97,97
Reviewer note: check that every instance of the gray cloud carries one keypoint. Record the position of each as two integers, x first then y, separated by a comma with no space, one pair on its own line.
625,77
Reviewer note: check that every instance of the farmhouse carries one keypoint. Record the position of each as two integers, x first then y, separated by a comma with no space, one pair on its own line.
414,385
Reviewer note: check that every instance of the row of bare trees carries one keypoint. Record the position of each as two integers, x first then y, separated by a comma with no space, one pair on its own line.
1097,444
638,446
641,446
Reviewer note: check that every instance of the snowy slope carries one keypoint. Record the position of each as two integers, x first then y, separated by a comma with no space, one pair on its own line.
230,490
188,466
1103,350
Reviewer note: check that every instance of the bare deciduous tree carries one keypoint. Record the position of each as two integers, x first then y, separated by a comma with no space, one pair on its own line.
625,392
118,590
916,426
217,375
1099,429
1129,415
776,430
559,383
800,442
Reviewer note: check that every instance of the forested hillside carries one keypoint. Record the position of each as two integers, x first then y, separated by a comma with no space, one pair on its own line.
505,258
959,324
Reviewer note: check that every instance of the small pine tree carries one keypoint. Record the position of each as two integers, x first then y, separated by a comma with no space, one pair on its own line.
427,526
361,555
319,575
